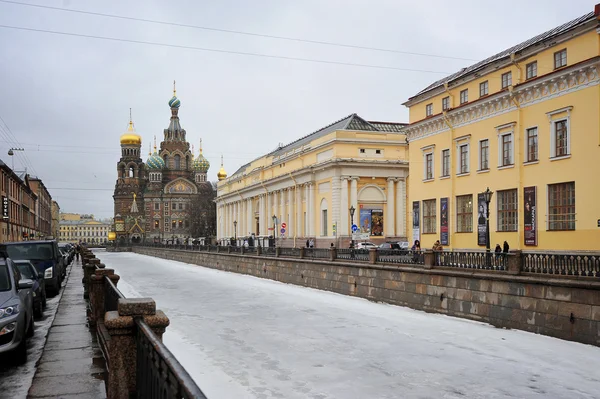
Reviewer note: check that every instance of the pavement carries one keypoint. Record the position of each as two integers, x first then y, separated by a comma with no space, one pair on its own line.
71,365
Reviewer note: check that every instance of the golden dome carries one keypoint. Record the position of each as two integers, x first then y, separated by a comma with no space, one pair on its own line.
130,136
222,175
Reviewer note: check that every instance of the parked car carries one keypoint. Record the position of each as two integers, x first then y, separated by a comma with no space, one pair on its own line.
16,310
28,271
45,256
404,245
365,245
65,255
69,249
389,245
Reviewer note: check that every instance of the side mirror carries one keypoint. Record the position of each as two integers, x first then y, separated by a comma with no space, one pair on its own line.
25,284
40,275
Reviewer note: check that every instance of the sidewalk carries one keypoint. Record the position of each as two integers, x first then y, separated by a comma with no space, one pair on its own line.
71,365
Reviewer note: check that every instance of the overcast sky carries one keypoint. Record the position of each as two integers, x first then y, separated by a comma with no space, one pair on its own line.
66,99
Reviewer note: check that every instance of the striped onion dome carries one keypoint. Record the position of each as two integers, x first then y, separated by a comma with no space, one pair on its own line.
155,161
201,164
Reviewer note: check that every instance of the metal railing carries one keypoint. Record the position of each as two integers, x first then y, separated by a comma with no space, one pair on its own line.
400,256
561,264
268,251
317,253
158,373
111,295
290,252
471,260
353,254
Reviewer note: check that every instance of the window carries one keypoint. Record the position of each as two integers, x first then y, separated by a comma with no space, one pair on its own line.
506,143
464,213
177,161
560,59
324,222
362,150
561,206
464,96
377,151
181,224
429,221
464,159
157,206
429,109
484,89
445,163
531,70
429,166
532,145
484,154
156,224
180,206
561,147
187,224
506,79
174,206
507,210
174,224
445,103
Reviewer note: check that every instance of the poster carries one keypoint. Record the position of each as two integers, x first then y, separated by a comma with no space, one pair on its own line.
377,222
444,237
365,221
530,217
481,212
416,221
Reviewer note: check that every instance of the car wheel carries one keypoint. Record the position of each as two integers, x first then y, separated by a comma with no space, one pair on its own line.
39,309
21,352
30,330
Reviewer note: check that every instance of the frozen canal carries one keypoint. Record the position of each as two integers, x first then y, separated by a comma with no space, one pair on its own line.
244,337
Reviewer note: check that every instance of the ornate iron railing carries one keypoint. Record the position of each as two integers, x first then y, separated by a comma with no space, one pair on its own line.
400,256
291,252
158,373
235,249
353,254
471,260
317,253
560,264
111,295
268,251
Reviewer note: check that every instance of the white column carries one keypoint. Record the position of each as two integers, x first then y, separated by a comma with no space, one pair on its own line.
390,230
305,221
354,194
344,228
290,224
401,208
249,216
298,211
311,209
261,214
282,217
225,209
219,221
269,213
335,205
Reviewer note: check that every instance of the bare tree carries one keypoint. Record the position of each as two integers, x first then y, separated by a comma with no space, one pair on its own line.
203,212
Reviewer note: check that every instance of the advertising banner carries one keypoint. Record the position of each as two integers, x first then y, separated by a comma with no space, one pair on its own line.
530,216
377,222
365,221
444,236
416,220
4,207
481,212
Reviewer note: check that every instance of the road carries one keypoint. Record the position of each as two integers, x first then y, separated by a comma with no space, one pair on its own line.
245,337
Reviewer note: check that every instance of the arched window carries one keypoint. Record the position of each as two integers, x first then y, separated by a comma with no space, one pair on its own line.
187,162
166,159
131,172
177,160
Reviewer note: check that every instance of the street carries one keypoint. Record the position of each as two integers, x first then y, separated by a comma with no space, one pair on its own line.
245,337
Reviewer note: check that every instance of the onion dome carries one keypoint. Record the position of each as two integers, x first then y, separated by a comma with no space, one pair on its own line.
222,175
154,161
174,101
130,136
201,164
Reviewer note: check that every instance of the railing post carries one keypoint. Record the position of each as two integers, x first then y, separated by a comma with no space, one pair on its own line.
97,293
258,250
88,270
332,254
229,249
428,259
372,255
514,262
277,252
242,249
301,252
122,350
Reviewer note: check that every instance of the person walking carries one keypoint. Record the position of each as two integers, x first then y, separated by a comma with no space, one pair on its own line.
416,250
437,249
312,243
506,247
77,251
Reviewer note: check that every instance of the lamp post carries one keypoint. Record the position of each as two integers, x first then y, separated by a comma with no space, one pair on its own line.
235,232
275,230
352,210
487,197
11,152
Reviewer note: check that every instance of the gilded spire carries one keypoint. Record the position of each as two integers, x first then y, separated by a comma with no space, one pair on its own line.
130,136
154,143
130,127
222,175
149,149
174,90
192,151
201,149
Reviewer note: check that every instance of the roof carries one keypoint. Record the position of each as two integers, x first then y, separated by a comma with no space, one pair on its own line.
514,49
350,122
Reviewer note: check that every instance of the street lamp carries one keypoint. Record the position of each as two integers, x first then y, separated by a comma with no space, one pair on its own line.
352,210
487,197
11,152
274,229
235,232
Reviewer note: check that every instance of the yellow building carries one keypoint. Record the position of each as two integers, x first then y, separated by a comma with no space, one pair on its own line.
83,228
311,183
525,123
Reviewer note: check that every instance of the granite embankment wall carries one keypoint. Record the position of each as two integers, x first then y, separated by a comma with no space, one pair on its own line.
562,308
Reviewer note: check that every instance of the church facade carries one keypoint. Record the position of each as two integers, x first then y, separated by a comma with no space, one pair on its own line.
166,198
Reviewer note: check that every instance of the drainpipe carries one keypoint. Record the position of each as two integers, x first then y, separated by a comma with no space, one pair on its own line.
293,213
515,63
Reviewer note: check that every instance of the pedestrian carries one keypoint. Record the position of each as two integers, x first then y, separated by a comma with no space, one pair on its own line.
506,247
437,248
498,250
416,250
77,251
307,243
331,245
312,243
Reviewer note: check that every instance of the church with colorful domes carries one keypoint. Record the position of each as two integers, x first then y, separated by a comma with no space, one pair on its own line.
168,197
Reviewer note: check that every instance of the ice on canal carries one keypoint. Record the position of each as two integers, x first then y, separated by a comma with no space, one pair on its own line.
245,337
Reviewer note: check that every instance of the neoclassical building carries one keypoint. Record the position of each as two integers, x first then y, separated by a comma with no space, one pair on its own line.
161,199
305,189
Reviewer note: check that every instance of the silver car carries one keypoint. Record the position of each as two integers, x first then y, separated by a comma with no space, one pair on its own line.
16,310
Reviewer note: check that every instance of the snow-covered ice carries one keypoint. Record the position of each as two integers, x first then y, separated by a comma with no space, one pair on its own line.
245,337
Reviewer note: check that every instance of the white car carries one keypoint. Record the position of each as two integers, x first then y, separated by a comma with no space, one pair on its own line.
365,245
403,244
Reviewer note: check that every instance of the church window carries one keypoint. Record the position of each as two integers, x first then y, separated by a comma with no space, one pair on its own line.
166,159
177,159
131,171
174,206
180,206
156,224
157,206
187,223
174,224
181,224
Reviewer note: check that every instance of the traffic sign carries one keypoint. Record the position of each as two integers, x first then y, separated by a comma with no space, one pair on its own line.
354,227
282,231
283,225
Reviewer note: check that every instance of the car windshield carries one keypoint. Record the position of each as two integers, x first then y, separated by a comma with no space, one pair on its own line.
25,270
4,278
30,251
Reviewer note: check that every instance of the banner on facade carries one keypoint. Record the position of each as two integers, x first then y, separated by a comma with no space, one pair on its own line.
481,212
365,221
377,222
444,236
530,216
4,207
416,221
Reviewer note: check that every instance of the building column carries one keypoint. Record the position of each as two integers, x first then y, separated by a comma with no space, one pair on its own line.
390,220
335,205
305,220
249,216
344,228
401,207
282,218
310,214
298,212
354,193
261,214
290,224
268,212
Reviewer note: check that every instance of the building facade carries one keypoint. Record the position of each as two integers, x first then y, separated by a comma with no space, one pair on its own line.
305,190
83,229
43,207
160,199
55,227
525,123
18,206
